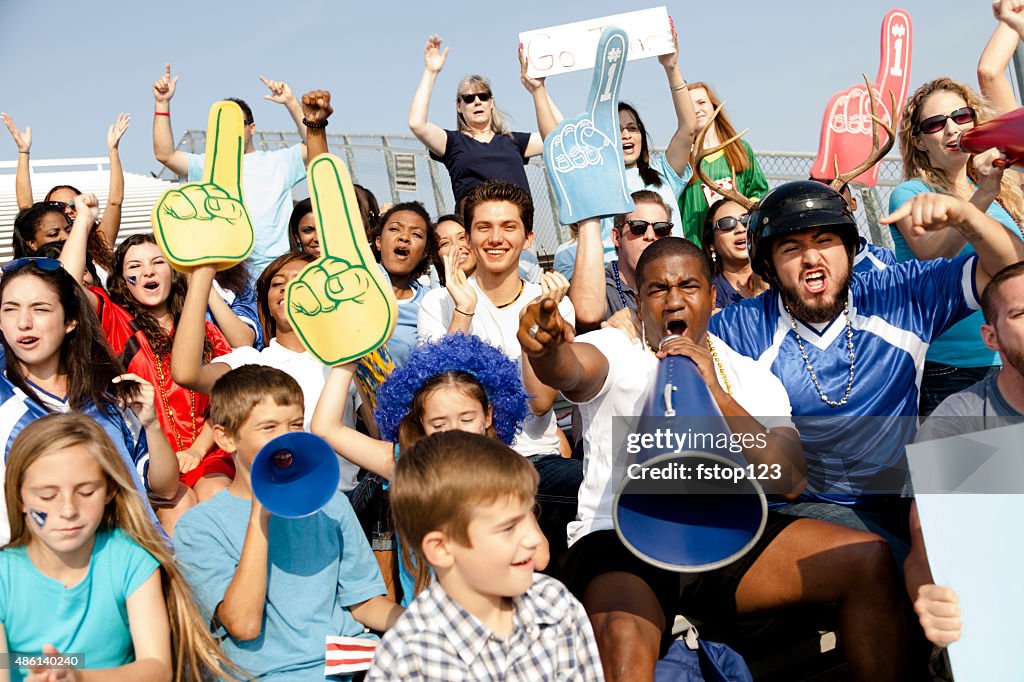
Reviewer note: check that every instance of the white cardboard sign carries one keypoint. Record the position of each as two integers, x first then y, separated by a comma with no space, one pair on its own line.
571,47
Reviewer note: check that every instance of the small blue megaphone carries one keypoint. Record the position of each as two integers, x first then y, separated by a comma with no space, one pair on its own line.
698,512
295,475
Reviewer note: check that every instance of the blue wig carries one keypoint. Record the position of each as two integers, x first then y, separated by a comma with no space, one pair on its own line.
498,375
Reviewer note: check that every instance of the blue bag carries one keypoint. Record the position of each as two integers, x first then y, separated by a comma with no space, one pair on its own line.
696,660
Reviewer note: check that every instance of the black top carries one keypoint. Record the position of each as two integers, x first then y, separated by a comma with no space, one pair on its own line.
471,162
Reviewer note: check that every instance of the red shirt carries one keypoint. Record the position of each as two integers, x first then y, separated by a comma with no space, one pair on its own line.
182,412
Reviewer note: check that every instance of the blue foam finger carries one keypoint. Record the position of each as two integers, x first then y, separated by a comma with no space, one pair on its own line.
583,155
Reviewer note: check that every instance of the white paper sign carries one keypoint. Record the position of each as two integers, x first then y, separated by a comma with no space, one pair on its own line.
571,47
973,542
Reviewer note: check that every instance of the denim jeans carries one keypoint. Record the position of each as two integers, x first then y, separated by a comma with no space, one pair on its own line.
941,381
557,496
890,518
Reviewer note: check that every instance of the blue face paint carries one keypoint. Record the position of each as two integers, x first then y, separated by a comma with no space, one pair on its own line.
132,279
38,516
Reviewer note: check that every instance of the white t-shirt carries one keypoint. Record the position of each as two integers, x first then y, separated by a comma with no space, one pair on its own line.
311,375
631,372
499,328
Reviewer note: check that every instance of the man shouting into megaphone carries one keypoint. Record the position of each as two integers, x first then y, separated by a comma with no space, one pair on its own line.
632,604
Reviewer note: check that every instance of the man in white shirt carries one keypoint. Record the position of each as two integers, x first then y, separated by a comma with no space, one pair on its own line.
499,219
631,603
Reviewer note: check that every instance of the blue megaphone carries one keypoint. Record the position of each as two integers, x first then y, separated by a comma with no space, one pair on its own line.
690,510
295,475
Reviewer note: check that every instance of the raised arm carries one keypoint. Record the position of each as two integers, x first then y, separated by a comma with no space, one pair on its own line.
462,292
998,52
162,475
73,256
23,177
281,93
588,287
316,109
432,136
995,246
548,115
578,370
110,224
163,138
678,151
369,453
187,368
235,330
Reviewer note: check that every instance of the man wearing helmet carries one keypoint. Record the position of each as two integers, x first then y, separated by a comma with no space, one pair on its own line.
849,348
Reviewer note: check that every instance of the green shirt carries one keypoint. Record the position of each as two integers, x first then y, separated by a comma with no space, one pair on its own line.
697,197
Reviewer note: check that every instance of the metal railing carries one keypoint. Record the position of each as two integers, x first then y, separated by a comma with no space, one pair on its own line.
398,168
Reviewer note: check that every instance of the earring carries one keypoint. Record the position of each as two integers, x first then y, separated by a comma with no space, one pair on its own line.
714,255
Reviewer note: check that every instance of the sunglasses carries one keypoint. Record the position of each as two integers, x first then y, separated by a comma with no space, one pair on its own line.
639,228
48,264
729,223
934,124
468,99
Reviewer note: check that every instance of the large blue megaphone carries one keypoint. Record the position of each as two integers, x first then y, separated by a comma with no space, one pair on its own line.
688,509
295,475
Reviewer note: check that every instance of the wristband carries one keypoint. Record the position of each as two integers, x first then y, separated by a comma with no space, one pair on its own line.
26,153
677,88
161,113
464,313
316,126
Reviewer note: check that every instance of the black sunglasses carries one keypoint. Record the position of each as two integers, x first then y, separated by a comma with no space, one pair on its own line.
934,124
48,264
468,99
639,228
729,223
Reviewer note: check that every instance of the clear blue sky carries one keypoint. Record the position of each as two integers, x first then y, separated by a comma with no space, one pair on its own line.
67,68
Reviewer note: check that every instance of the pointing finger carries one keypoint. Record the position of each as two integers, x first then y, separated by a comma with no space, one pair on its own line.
225,145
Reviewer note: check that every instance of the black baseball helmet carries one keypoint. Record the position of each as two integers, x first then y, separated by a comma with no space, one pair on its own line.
794,207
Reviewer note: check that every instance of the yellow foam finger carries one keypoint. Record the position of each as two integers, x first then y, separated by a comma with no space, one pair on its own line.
206,223
341,305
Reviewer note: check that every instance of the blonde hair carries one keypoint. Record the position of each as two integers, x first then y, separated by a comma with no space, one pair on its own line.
440,482
195,654
475,82
915,161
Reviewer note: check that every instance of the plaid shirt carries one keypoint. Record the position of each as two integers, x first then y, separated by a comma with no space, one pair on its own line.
436,639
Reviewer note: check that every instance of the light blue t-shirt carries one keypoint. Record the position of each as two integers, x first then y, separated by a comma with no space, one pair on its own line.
961,345
90,618
565,259
318,567
267,181
672,187
404,338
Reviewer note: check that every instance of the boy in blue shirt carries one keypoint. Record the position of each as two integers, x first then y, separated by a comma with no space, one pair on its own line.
274,587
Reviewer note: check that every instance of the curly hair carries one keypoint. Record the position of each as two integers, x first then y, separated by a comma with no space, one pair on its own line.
159,340
916,163
456,360
430,243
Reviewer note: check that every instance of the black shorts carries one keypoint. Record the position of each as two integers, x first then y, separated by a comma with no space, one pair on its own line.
705,596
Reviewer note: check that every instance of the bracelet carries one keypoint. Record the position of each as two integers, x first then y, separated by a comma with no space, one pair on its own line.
464,313
677,88
161,113
26,153
315,126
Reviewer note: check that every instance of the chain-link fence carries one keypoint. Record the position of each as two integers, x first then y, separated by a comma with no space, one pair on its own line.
398,168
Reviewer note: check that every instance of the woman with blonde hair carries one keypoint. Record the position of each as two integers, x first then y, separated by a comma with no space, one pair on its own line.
86,570
733,165
481,147
930,126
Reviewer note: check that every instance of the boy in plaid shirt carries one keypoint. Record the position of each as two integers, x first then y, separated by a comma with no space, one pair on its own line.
463,504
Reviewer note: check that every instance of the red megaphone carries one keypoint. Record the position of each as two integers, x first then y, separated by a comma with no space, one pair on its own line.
1005,133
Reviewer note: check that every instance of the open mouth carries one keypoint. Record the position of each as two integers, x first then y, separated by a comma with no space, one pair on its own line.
526,563
815,282
151,286
494,253
628,147
740,243
401,251
676,327
28,341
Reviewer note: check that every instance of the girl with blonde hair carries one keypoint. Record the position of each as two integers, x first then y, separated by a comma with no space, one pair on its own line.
86,570
932,121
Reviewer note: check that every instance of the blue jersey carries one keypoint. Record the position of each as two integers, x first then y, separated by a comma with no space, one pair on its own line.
870,257
895,314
